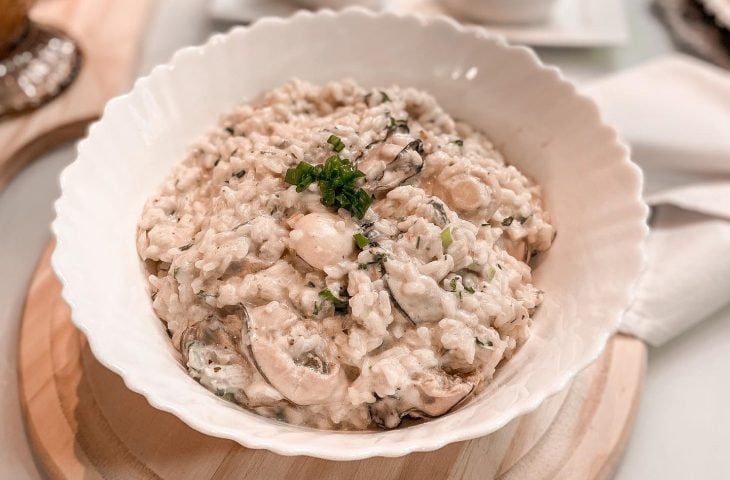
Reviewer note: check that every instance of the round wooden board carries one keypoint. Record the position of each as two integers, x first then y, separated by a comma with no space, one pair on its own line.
84,423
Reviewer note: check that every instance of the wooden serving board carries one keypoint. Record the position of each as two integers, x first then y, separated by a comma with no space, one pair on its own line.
84,423
108,33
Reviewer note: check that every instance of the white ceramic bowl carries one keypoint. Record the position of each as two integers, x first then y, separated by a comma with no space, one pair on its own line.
502,11
532,114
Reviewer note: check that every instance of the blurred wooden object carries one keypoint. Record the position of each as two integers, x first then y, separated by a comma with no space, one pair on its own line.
84,423
109,33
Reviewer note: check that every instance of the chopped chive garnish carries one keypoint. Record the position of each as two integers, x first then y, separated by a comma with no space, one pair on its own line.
474,267
337,144
491,273
361,240
336,179
459,142
469,289
507,221
330,297
446,238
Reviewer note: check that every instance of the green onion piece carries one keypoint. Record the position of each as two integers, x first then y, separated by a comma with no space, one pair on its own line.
459,142
469,289
507,221
330,297
446,238
336,179
303,175
361,241
491,273
337,143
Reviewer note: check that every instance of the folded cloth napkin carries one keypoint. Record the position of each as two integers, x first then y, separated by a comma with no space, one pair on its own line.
675,114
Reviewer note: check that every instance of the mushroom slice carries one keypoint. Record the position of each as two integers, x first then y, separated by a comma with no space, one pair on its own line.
225,335
213,355
321,239
294,357
418,295
396,306
406,164
431,397
440,395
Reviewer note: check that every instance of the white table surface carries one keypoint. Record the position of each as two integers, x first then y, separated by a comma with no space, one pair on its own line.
683,426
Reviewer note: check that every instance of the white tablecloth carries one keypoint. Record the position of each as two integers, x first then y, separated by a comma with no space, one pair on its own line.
683,427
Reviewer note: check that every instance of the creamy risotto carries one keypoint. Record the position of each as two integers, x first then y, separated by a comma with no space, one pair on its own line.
343,258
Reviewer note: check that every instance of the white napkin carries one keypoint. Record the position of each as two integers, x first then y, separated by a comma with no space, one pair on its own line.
675,114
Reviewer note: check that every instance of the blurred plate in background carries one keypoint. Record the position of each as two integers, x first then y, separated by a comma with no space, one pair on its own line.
574,23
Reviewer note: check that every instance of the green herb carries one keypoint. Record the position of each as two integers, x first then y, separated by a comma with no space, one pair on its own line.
315,310
474,267
185,247
330,297
240,173
362,266
482,344
453,283
385,96
397,125
229,130
524,219
507,221
469,289
361,241
491,273
336,179
459,142
175,272
202,294
446,238
418,242
380,258
303,175
337,144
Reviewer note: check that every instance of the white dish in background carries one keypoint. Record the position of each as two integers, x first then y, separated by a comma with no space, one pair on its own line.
573,23
534,116
511,12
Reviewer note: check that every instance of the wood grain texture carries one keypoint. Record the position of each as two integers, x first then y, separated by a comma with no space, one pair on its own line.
84,423
108,33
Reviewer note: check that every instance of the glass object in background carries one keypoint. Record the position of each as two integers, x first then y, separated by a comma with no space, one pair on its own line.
36,62
502,11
